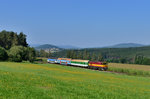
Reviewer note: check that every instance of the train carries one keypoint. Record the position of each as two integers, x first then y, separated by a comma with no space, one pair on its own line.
102,66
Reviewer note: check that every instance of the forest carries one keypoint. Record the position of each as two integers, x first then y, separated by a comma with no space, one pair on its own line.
135,55
14,47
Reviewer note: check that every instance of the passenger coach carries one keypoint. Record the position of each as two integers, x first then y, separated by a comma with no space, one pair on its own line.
80,63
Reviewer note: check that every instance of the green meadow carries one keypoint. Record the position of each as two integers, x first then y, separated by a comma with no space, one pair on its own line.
130,69
51,81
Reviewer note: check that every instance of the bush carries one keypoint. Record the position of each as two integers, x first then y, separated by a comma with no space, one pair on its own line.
16,53
31,54
20,53
3,54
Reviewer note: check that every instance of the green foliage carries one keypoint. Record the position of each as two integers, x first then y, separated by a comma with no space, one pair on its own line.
72,54
42,53
3,54
68,53
86,55
123,60
16,53
100,57
17,47
22,39
139,55
9,39
20,53
140,59
31,54
93,57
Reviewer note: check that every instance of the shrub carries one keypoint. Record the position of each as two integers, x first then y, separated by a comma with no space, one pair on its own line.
16,53
3,54
31,54
20,53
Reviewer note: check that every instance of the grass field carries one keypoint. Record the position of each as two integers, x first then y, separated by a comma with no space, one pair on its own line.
130,66
131,69
46,81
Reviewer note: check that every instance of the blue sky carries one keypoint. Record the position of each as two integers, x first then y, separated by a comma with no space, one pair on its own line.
81,23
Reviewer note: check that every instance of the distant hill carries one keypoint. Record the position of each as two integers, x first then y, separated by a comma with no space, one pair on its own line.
48,47
68,47
125,45
34,45
45,46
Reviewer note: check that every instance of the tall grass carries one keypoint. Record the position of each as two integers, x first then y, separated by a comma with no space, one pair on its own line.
130,69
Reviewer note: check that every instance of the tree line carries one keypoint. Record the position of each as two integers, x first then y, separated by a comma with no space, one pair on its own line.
108,56
14,47
43,53
84,55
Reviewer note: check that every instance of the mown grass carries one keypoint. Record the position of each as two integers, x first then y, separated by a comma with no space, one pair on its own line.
50,81
130,69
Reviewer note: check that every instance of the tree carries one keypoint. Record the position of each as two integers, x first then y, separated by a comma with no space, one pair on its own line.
20,53
80,55
37,53
16,53
22,39
68,54
88,56
123,60
17,47
15,40
9,39
100,57
43,53
93,58
31,54
3,54
139,59
85,54
73,54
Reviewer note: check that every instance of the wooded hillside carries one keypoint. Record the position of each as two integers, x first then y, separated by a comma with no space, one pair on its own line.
139,55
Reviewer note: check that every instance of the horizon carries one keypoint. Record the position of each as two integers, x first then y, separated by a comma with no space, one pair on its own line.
83,24
61,46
